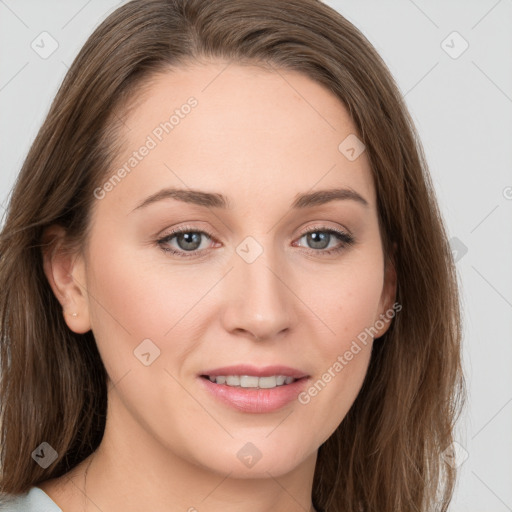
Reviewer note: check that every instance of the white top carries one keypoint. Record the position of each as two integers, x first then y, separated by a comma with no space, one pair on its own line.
34,500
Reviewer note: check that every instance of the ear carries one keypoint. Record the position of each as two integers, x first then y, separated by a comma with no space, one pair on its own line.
65,271
387,308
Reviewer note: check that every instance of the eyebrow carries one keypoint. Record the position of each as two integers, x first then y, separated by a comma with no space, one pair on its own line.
216,200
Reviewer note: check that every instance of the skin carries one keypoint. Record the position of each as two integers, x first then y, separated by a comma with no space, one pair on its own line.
259,137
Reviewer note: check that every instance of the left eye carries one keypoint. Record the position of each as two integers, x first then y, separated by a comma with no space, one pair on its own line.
189,241
320,239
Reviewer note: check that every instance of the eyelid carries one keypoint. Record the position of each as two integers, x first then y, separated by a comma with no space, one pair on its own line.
188,229
323,227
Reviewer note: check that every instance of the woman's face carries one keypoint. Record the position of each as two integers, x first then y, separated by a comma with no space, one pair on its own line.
247,153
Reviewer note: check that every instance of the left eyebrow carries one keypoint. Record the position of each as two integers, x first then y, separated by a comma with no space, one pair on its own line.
325,196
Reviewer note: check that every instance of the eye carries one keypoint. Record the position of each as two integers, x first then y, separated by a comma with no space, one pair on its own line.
319,239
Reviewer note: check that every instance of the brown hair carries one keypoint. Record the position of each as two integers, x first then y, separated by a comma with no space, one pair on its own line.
386,454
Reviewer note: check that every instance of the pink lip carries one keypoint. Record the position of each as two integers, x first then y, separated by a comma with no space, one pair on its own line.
247,369
255,400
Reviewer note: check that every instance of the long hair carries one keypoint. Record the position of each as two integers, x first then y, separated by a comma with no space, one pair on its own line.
387,453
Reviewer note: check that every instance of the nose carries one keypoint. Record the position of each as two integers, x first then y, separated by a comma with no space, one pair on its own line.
259,301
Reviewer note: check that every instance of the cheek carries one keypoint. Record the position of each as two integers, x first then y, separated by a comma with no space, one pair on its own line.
138,294
347,303
127,303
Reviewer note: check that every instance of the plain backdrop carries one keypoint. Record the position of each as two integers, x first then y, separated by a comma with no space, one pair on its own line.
453,62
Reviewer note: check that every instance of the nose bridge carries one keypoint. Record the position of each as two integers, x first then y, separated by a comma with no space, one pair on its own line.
259,301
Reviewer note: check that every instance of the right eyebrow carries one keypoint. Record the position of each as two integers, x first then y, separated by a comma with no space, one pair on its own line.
198,197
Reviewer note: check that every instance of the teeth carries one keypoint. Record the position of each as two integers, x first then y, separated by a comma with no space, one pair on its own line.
233,380
267,382
248,382
251,381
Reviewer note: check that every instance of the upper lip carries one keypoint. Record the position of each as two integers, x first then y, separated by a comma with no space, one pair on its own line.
262,371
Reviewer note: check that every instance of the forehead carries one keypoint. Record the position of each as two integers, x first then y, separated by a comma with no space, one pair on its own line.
240,129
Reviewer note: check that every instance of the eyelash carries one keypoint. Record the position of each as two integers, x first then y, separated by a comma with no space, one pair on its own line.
345,239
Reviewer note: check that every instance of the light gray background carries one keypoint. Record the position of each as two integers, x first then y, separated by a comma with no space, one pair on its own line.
463,110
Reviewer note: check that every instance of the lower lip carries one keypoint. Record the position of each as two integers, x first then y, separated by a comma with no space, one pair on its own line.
255,400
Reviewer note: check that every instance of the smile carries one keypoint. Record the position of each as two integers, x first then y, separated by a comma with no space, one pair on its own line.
251,381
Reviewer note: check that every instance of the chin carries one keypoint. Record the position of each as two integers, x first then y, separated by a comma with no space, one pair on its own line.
250,462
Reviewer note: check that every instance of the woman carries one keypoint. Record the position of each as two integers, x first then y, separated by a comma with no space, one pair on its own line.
225,280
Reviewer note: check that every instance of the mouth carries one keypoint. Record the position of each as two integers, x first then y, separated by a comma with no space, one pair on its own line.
251,389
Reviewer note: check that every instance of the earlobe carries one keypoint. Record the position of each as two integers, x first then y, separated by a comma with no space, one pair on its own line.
66,276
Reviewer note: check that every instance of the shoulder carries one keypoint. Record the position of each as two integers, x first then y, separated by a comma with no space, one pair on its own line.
34,500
